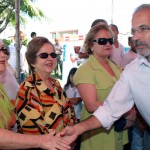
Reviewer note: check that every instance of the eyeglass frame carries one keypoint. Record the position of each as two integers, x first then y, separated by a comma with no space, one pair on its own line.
142,29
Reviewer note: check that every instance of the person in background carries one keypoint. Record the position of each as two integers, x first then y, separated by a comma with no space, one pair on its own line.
94,80
136,133
118,50
13,53
9,139
6,75
33,35
74,97
132,87
82,53
7,93
41,105
58,51
10,68
73,94
130,55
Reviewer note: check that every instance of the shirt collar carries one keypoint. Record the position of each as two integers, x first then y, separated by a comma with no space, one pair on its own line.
35,80
143,61
95,64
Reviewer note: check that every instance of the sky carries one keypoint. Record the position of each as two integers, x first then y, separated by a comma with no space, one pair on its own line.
79,14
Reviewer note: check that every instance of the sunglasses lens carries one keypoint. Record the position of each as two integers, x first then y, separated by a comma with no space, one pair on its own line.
53,55
4,50
111,42
43,55
103,41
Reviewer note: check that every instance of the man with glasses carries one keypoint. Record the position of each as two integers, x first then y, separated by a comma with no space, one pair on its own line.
132,87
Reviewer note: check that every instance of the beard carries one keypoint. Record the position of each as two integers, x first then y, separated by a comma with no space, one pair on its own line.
144,51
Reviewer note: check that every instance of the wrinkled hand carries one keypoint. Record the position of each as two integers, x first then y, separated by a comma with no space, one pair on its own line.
130,117
52,142
69,134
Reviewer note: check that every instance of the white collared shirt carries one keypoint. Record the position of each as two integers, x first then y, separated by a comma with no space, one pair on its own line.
132,87
72,92
13,59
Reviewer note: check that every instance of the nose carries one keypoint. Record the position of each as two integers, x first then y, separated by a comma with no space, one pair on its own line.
136,36
108,44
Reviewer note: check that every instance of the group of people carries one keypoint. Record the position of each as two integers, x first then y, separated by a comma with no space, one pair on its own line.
133,86
48,116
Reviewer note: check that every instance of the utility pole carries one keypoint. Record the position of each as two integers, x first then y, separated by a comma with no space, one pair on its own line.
112,11
17,39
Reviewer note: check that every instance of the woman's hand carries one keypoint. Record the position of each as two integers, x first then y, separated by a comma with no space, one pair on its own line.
52,142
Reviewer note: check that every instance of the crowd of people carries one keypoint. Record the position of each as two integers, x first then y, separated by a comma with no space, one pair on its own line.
103,105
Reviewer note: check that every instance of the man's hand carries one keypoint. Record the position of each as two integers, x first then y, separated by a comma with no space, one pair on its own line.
130,118
52,142
69,134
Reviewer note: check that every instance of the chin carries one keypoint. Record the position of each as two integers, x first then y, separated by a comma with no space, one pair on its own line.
144,53
2,69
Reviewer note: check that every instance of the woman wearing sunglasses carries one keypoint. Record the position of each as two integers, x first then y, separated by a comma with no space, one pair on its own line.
94,80
8,91
41,105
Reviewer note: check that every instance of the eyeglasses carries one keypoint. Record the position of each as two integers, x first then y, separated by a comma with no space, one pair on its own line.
103,41
45,55
4,50
140,30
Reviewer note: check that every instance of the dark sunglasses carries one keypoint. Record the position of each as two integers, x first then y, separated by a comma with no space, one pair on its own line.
4,50
103,41
45,55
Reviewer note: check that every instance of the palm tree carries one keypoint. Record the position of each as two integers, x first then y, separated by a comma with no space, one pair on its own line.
27,8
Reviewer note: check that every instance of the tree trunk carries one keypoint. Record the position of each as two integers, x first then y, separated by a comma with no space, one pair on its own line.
17,38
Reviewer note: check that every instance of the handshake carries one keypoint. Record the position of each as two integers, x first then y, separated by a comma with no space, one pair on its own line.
64,140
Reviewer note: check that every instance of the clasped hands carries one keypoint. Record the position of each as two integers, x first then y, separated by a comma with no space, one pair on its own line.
63,140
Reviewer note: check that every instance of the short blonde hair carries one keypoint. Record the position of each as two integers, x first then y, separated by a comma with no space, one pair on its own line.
88,43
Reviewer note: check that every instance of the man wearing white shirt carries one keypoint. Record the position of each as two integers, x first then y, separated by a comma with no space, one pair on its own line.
13,53
133,87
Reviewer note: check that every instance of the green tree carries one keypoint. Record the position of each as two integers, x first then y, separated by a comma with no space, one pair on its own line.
27,8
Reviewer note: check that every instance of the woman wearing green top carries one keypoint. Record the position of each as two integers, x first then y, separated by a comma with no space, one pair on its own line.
94,80
6,110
